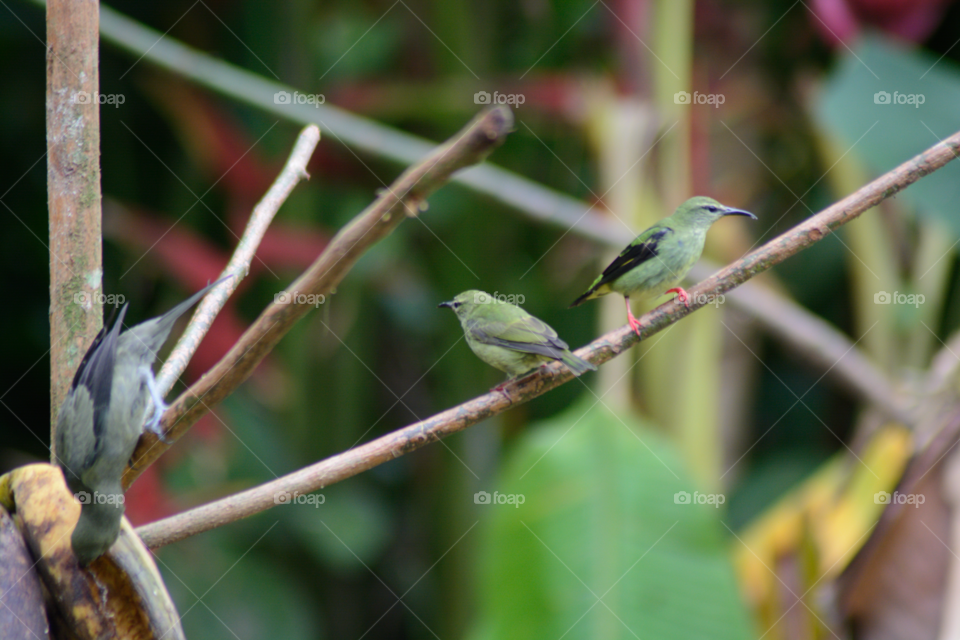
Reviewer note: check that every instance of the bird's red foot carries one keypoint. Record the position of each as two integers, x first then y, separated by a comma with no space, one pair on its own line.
502,388
634,323
682,295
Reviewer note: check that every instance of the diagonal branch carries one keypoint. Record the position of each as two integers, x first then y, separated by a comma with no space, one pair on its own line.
359,459
402,199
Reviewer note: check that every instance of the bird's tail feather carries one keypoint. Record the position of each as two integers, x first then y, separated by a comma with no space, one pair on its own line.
592,292
154,332
167,320
581,300
577,364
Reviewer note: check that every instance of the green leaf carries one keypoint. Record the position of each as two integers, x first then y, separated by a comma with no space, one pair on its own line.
599,520
923,95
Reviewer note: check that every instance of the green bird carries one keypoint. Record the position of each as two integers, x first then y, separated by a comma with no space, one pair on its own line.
658,259
506,337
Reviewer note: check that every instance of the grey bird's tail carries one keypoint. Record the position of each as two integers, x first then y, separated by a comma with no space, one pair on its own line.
154,332
577,364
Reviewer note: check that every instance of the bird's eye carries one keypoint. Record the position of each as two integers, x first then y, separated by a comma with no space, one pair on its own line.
712,209
456,305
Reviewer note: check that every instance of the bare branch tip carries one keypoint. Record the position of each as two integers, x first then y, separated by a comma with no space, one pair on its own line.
498,121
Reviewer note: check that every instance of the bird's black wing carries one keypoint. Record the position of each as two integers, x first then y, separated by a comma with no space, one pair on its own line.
95,372
636,253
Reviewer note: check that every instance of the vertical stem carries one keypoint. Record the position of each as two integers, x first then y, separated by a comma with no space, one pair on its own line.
932,265
871,260
673,43
681,373
73,187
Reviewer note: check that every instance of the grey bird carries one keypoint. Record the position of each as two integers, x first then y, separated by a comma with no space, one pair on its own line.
102,418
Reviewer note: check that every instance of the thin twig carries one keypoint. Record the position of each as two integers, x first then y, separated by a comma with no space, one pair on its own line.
397,443
239,266
402,199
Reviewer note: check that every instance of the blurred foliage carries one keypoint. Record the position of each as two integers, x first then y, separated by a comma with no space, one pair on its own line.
616,532
403,551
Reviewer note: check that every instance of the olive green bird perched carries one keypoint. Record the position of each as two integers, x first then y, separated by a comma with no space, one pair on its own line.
102,418
658,259
506,337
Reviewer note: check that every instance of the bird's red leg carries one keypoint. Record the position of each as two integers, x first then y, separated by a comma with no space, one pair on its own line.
634,323
682,295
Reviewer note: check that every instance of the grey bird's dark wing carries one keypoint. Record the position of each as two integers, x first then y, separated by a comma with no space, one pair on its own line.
83,416
529,335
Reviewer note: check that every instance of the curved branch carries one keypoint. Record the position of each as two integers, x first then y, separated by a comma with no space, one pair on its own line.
403,198
351,462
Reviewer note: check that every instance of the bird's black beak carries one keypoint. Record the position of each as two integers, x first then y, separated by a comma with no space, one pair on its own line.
739,212
448,305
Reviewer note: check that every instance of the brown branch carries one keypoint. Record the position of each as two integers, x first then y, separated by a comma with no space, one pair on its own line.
351,462
293,172
73,190
403,198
